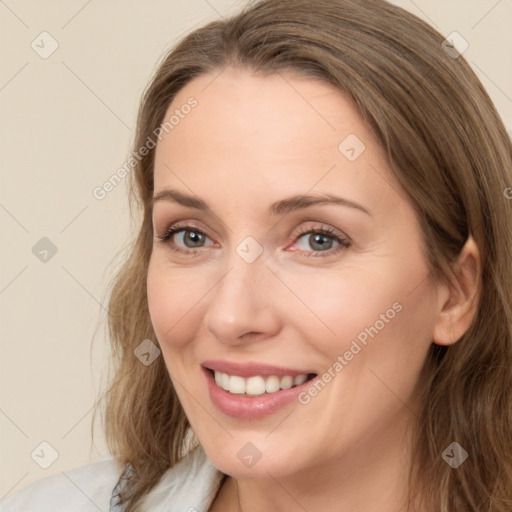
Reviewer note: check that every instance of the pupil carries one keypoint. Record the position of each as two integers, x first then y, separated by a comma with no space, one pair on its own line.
193,237
317,240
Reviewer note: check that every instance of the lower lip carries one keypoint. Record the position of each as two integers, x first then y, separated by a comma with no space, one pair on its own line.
250,407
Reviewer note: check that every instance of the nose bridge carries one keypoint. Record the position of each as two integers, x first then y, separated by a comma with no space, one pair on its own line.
245,263
240,302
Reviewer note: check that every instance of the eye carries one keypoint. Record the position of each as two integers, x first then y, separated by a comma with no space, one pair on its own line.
321,240
185,235
187,239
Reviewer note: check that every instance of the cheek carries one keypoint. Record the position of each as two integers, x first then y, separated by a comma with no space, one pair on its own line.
175,302
387,308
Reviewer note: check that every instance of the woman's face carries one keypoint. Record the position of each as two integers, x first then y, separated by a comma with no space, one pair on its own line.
295,253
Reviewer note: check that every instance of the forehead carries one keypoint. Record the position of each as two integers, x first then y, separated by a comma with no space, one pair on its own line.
278,111
256,134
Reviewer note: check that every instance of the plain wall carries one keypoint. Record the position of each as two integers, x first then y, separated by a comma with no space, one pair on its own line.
66,126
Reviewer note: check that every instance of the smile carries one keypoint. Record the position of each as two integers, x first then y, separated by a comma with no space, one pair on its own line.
252,390
257,385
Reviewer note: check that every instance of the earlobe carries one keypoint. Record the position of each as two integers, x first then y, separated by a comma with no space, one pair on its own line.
458,300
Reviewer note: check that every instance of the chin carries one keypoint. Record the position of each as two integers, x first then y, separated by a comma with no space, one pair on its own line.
246,458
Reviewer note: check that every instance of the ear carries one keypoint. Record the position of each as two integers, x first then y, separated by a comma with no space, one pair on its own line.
458,299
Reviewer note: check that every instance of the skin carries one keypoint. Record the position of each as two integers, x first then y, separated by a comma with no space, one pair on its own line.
249,142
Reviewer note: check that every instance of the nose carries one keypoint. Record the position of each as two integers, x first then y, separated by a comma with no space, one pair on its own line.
243,304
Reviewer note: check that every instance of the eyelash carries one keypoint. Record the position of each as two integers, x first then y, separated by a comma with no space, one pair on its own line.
327,231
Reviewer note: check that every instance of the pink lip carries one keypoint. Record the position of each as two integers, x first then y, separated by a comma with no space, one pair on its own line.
250,407
247,370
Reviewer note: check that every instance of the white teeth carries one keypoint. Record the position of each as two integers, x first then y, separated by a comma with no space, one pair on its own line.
236,385
272,384
225,381
300,379
286,382
257,385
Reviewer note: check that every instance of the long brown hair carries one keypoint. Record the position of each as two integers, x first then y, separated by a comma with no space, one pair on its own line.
450,152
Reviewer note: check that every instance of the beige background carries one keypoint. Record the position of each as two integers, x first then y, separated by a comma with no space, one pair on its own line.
66,125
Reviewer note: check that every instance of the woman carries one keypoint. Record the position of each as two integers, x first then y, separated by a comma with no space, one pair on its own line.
316,314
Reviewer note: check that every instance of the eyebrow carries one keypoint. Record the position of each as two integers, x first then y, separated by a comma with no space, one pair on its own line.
283,206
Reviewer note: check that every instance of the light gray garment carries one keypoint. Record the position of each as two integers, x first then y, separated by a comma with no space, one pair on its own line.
190,486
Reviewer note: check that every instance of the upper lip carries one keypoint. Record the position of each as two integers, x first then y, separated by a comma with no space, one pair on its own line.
251,369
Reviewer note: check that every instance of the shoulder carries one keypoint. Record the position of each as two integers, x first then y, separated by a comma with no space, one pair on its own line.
190,485
83,489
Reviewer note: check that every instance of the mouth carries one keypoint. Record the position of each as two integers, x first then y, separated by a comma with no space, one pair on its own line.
250,391
258,385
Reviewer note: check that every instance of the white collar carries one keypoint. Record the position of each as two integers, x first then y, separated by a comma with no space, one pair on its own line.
191,485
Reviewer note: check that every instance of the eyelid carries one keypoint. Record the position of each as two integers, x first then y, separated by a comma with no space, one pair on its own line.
343,240
176,227
322,228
